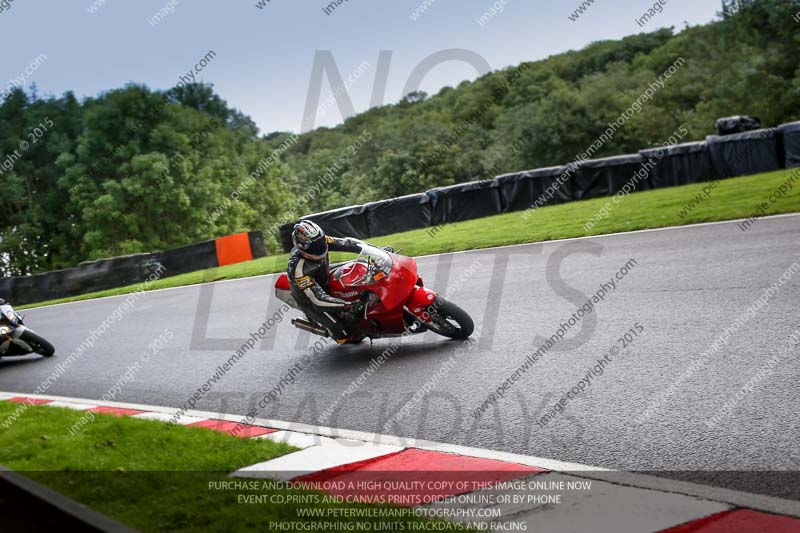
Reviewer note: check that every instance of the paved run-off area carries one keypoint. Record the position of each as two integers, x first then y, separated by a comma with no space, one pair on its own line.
647,411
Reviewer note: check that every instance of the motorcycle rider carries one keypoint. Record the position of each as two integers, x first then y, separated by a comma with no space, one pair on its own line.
11,349
309,275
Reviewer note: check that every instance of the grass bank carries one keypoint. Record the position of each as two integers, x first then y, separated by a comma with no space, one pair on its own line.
164,477
728,199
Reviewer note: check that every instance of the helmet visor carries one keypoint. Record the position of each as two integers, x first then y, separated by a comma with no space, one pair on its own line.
315,251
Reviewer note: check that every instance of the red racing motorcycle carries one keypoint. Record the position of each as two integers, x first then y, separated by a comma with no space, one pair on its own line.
397,303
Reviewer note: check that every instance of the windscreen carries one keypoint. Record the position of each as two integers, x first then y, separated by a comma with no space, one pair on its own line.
376,265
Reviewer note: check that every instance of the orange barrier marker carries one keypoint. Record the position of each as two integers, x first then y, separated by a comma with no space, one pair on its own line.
233,249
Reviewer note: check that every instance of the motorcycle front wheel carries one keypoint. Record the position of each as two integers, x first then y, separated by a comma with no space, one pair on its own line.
39,344
449,320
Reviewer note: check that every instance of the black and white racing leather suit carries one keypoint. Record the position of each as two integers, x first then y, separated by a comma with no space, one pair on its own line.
310,280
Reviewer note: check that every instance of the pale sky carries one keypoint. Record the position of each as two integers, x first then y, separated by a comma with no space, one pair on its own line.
264,57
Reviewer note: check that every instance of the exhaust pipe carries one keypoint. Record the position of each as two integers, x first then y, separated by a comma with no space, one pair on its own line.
305,325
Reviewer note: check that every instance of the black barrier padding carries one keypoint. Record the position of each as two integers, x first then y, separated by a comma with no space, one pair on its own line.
464,201
604,177
285,236
555,184
7,289
39,287
198,256
691,163
532,188
791,144
737,124
678,164
102,274
343,222
660,169
398,214
516,191
746,153
258,247
90,276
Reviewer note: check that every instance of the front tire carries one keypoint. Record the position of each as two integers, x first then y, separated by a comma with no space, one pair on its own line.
449,320
39,344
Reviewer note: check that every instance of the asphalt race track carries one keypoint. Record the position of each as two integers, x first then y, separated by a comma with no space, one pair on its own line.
686,287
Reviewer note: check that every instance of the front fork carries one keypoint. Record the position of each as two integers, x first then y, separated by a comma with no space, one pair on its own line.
18,331
9,334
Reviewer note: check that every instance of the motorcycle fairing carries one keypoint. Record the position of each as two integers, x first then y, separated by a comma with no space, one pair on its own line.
8,315
419,301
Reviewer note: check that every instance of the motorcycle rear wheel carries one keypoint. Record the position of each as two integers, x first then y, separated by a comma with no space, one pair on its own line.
449,320
39,344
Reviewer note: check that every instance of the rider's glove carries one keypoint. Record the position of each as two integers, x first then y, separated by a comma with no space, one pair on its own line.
388,249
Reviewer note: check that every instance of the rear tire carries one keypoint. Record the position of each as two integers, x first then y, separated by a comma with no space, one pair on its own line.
39,344
449,320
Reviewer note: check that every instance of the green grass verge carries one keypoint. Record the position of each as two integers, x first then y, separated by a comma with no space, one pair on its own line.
730,199
159,477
